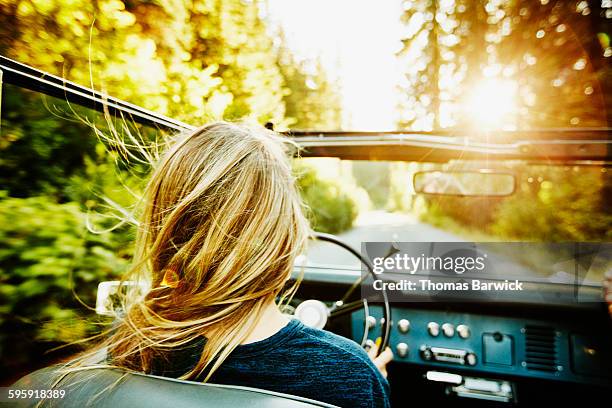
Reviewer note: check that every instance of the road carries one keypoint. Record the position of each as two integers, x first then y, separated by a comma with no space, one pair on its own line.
381,226
378,226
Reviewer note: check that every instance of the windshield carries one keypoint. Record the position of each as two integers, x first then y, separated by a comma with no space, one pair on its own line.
375,201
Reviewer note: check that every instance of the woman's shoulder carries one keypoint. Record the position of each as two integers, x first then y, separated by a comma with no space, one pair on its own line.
314,363
332,341
315,350
329,346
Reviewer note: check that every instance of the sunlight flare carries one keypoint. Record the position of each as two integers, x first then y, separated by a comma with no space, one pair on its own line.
492,104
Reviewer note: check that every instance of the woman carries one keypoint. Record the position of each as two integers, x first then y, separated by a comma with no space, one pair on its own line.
221,228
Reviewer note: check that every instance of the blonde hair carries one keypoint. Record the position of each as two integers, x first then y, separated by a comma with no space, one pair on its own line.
223,219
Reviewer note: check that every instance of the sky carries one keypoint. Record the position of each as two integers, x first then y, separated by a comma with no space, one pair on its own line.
356,41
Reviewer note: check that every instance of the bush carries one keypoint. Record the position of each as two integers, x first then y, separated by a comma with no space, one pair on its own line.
331,208
557,204
45,252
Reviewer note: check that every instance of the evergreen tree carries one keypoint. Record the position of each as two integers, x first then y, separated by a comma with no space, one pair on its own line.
557,52
312,100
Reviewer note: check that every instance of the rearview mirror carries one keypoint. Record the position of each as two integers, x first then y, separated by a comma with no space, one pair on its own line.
483,183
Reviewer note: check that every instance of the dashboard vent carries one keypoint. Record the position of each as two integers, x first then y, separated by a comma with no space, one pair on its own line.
541,348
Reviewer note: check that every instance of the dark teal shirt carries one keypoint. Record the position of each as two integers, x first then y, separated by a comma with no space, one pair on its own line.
301,361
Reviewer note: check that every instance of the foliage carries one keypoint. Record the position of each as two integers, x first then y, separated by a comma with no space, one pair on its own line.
565,204
330,207
45,252
193,61
560,52
312,100
557,52
39,151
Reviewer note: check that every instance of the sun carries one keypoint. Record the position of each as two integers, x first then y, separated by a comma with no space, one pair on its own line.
492,104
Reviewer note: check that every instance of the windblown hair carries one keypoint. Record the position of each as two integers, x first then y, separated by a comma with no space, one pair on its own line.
222,216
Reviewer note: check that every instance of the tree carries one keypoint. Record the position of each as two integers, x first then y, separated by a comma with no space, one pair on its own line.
312,100
196,61
434,32
554,49
421,107
232,35
556,52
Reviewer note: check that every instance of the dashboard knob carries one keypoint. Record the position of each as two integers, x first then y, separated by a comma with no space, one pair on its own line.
426,353
463,330
371,321
403,326
433,329
448,329
470,359
402,349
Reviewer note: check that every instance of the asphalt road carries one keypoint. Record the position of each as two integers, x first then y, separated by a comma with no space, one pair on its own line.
381,226
378,226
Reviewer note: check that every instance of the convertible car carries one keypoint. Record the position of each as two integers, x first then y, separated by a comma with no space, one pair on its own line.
545,345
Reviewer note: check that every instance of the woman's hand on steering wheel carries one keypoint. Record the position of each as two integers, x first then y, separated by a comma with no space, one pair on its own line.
382,359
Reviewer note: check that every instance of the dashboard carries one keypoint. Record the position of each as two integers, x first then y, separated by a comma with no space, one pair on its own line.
441,339
517,353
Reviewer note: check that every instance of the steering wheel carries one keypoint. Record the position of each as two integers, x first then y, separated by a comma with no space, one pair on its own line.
341,307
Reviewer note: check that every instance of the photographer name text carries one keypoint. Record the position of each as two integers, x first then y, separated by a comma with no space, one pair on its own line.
429,285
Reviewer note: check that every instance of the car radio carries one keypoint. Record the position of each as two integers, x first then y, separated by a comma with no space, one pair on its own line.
447,355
